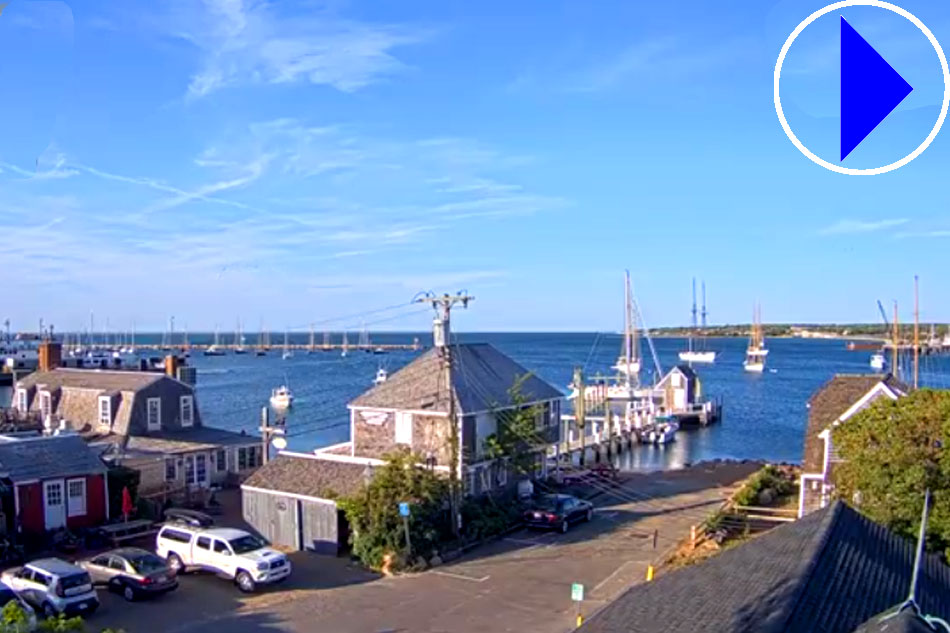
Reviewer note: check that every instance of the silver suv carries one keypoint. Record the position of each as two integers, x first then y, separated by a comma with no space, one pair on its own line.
53,586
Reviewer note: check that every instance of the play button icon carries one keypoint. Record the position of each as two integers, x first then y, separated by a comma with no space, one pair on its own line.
870,88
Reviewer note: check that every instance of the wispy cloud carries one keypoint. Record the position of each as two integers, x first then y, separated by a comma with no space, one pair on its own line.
847,226
255,41
932,233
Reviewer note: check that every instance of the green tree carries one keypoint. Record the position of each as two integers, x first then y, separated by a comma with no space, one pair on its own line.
13,618
893,451
517,437
377,529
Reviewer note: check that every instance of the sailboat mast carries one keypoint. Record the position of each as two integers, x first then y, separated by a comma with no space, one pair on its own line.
704,305
916,333
895,343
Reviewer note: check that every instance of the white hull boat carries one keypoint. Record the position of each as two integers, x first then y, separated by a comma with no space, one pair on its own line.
878,362
281,398
664,433
381,376
698,357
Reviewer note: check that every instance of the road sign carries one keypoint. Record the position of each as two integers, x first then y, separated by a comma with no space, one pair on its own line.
870,88
577,592
403,509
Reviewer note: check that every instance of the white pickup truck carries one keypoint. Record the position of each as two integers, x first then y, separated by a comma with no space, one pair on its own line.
244,558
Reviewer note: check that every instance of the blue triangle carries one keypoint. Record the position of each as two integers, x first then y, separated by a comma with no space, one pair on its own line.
870,89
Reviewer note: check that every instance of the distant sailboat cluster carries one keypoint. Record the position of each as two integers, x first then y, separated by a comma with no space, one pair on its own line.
694,353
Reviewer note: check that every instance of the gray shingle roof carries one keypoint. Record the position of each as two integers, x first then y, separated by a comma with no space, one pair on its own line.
828,572
308,476
828,403
907,621
185,441
46,457
98,379
481,375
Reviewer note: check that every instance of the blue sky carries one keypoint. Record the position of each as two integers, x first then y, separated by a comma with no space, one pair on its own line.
297,161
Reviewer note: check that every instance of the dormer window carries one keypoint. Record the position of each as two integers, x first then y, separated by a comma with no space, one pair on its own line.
154,413
105,411
21,401
187,406
46,404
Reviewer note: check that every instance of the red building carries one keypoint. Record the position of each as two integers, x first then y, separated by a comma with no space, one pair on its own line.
51,482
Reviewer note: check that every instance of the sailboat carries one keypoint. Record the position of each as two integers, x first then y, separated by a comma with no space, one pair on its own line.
756,353
214,349
628,364
691,354
345,345
287,353
260,342
239,340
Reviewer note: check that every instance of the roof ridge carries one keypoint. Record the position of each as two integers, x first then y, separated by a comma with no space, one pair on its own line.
828,524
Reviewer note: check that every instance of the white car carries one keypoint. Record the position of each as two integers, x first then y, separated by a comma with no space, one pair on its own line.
53,586
244,558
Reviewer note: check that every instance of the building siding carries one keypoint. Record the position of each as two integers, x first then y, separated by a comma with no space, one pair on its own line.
291,522
95,503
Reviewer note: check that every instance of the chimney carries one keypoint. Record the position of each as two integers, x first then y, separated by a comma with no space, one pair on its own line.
171,366
50,355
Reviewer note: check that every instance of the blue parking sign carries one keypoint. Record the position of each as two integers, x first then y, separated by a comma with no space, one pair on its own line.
404,509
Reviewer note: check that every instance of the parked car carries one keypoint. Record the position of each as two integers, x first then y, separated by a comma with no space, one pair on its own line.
8,595
234,554
193,518
53,586
558,512
131,572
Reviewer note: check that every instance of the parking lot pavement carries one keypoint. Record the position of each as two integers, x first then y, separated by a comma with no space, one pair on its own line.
519,583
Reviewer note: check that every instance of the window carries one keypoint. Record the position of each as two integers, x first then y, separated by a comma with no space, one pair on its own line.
171,472
21,400
204,542
221,460
76,497
101,561
189,469
175,535
201,468
117,563
54,494
105,411
249,457
154,411
187,404
46,404
403,428
221,547
242,458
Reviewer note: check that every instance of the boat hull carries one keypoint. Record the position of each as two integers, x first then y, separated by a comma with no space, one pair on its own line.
754,368
698,357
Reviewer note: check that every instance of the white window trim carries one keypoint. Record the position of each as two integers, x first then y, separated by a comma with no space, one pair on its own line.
191,410
69,499
108,420
148,414
402,420
22,400
46,398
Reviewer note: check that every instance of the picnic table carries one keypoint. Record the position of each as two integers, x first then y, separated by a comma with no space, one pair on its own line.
119,532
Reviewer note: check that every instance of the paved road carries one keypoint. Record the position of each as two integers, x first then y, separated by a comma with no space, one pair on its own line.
521,583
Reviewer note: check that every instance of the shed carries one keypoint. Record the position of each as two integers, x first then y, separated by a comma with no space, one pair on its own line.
291,500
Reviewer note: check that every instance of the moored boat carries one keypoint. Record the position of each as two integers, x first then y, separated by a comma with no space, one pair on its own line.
281,397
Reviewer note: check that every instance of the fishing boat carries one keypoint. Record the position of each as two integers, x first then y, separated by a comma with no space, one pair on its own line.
287,353
381,376
281,397
755,354
692,354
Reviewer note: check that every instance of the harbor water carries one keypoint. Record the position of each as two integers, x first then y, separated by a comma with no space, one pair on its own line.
764,415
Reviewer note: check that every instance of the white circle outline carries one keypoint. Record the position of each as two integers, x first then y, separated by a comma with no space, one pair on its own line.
946,87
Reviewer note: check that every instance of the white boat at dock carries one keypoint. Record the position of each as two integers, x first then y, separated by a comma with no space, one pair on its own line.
215,348
281,397
663,432
878,361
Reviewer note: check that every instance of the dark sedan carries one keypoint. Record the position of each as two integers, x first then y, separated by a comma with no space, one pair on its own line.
131,572
558,512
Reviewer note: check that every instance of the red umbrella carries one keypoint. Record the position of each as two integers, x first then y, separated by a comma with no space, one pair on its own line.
127,506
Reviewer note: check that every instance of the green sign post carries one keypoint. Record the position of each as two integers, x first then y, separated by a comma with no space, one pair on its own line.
577,595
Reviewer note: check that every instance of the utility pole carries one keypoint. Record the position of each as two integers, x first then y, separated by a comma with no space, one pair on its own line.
580,408
441,333
268,433
897,373
916,333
